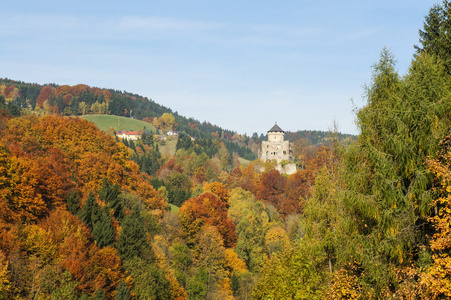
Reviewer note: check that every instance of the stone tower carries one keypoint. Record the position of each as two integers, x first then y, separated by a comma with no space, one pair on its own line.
276,148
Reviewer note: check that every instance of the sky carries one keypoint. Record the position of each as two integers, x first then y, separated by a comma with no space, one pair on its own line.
242,65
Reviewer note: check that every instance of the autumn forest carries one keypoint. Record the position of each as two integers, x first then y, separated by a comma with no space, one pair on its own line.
87,215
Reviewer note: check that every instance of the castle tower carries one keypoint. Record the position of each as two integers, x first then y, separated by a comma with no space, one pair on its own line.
276,148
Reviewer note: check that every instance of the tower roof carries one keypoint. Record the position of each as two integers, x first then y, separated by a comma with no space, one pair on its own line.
276,128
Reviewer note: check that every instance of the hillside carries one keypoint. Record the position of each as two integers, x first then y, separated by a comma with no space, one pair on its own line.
85,100
105,122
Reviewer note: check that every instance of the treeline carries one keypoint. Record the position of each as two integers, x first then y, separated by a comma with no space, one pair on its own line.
82,99
317,137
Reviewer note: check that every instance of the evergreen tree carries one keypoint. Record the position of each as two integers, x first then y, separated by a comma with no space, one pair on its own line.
73,202
123,293
89,210
132,145
149,280
103,230
99,295
435,38
84,296
111,195
388,192
132,239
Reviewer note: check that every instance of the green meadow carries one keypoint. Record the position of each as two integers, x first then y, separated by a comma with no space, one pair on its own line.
105,122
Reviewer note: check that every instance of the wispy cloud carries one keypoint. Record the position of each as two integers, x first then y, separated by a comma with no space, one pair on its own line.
166,24
295,31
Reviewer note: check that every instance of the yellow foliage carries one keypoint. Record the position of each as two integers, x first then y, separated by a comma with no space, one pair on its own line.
234,263
437,279
39,242
4,275
276,240
343,286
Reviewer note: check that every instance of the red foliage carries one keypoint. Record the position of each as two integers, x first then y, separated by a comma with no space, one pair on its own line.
44,95
67,99
227,136
276,189
148,119
97,91
77,89
9,91
63,90
272,185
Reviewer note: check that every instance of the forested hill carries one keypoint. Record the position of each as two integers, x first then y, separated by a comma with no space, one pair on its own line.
82,99
85,216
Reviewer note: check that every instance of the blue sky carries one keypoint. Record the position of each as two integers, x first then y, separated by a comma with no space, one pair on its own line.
242,65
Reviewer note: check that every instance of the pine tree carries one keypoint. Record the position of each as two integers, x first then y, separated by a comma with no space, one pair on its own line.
103,230
73,202
435,39
99,295
123,293
132,239
89,210
111,195
84,296
388,188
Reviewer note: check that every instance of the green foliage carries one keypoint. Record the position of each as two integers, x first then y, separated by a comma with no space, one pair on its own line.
294,274
388,186
66,288
84,296
99,295
435,38
111,195
73,202
149,162
149,281
89,210
132,239
103,230
181,261
197,286
253,220
123,292
98,221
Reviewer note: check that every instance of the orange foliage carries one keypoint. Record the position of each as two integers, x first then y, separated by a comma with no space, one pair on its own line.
207,209
62,90
107,95
219,190
77,89
9,91
47,152
97,91
94,268
148,119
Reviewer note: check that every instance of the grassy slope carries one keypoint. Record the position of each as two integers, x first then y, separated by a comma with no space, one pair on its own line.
168,148
105,122
244,162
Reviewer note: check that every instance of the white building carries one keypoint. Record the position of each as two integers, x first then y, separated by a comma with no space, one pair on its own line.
128,135
279,150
